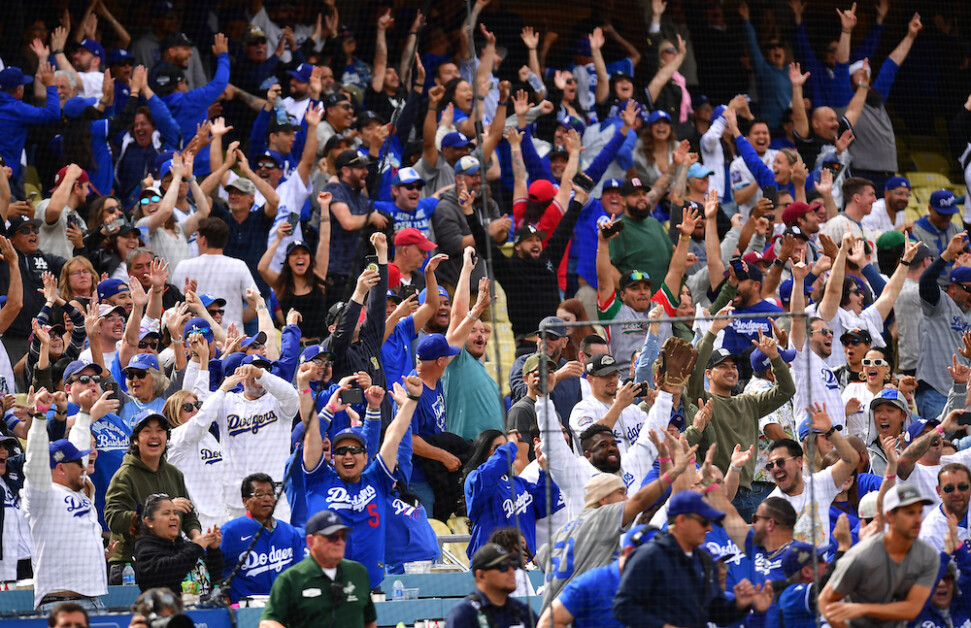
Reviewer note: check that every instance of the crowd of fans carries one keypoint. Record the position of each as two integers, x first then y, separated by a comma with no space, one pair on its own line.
250,278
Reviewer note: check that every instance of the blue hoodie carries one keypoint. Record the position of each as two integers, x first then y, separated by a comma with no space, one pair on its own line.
192,108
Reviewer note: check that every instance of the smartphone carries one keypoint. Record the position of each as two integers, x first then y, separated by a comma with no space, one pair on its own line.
407,291
371,262
772,193
583,182
293,219
835,167
641,389
116,224
610,230
964,418
352,396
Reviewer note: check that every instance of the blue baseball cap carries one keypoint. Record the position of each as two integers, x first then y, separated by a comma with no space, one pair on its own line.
634,538
302,73
553,326
455,139
142,361
164,169
583,47
897,182
893,397
698,171
612,184
198,325
314,351
77,366
110,287
799,554
259,339
12,77
761,362
94,48
944,202
467,165
434,346
960,274
405,176
120,55
74,107
232,361
142,418
208,299
917,428
572,123
691,503
257,360
442,294
785,290
272,154
348,432
63,451
657,116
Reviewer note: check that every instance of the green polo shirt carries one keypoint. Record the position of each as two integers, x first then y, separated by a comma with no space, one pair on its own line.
301,597
643,245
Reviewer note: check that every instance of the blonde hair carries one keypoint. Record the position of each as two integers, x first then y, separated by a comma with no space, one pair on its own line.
173,406
64,282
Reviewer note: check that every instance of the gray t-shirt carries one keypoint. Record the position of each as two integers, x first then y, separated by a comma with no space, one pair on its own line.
909,320
868,575
591,540
941,331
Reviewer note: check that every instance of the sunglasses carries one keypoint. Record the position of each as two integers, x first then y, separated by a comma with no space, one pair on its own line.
852,342
148,344
256,345
504,566
411,186
89,379
773,46
826,331
876,362
136,374
347,107
962,286
781,462
29,229
570,81
671,50
353,450
335,537
189,406
266,165
854,291
256,42
213,313
950,488
704,521
200,330
154,198
637,275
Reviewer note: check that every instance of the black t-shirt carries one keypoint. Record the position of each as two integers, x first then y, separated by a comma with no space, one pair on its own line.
522,417
810,148
247,239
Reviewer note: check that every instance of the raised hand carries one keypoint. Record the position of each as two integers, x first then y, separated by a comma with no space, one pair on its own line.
796,76
530,37
596,39
847,18
914,26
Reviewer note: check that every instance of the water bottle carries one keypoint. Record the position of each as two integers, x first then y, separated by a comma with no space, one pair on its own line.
397,591
280,112
128,576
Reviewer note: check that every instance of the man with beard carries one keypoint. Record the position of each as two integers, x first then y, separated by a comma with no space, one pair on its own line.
349,209
921,462
68,200
299,99
643,244
529,277
408,209
338,117
471,394
87,59
33,263
785,464
255,424
608,403
887,578
953,489
887,213
744,185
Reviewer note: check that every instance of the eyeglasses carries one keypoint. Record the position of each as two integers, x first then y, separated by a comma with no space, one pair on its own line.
261,495
570,81
29,229
154,198
704,521
950,488
266,165
826,331
148,344
78,273
411,186
353,450
136,374
781,462
89,379
876,362
189,406
335,537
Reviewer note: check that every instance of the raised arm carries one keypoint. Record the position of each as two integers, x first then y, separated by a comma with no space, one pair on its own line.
800,119
629,48
689,218
407,400
272,198
603,80
380,66
900,53
828,306
429,152
888,297
665,73
847,24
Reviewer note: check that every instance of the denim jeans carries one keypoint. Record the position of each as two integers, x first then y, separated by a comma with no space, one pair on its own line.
425,494
89,604
747,501
930,403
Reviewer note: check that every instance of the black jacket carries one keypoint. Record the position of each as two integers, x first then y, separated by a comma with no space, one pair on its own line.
163,563
662,585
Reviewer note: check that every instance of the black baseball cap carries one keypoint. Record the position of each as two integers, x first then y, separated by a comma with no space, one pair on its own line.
632,184
860,334
489,556
601,364
720,355
350,158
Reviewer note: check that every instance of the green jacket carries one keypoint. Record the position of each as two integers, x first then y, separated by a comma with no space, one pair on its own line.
644,245
130,487
735,419
301,597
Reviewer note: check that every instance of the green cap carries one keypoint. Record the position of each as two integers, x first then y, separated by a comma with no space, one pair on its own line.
532,363
890,240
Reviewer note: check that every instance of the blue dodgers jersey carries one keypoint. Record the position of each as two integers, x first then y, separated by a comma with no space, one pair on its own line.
429,417
420,219
408,535
276,551
396,356
796,606
590,597
111,434
741,332
763,568
362,506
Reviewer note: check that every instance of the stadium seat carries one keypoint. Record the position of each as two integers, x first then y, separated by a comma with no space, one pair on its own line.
930,162
452,552
923,178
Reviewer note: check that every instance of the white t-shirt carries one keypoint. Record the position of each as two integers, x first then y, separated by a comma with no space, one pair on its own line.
222,276
741,176
924,476
858,424
590,410
293,194
879,221
53,238
826,491
812,375
869,319
172,247
16,534
91,84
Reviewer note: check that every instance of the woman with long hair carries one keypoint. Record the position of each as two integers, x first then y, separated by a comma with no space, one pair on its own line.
655,147
297,285
571,311
491,480
566,96
197,453
668,89
877,373
163,558
458,93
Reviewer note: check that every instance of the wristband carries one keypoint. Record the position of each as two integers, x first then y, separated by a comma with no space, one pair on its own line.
189,179
480,98
904,262
711,488
940,430
414,397
779,262
305,391
830,431
471,317
890,477
330,408
732,467
504,103
667,478
58,51
684,238
664,460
